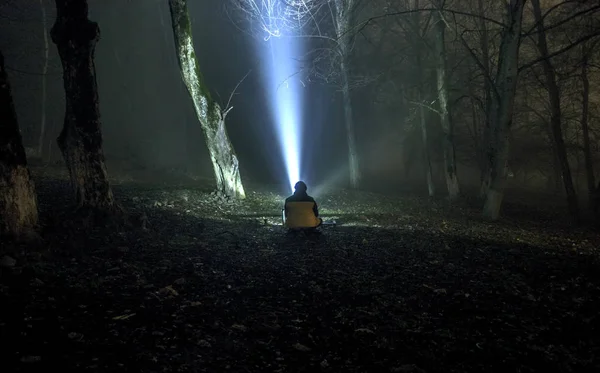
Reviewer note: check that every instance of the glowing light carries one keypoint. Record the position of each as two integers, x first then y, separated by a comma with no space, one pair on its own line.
279,17
285,98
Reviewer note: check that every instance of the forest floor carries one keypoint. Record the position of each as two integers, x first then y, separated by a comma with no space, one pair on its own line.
402,284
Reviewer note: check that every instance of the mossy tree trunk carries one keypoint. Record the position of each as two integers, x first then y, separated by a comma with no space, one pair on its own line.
18,202
209,113
80,140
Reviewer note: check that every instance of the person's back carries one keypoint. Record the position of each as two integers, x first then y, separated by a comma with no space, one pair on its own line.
300,209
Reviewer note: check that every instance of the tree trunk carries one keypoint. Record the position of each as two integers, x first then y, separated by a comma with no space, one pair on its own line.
18,202
210,116
587,152
80,140
422,121
502,109
555,114
487,91
342,22
354,167
44,79
445,116
427,158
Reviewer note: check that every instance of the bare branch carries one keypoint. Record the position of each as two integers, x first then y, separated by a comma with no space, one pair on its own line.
560,51
227,107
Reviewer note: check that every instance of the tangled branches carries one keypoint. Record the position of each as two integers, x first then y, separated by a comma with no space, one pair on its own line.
277,17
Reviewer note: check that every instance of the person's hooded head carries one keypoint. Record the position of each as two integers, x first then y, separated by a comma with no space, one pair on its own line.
300,188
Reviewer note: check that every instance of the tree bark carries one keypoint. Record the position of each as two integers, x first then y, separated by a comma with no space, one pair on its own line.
44,80
502,109
487,91
555,114
445,115
18,202
80,140
343,14
422,121
210,115
587,152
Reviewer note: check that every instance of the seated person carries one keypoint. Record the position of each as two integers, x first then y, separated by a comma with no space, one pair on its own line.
300,210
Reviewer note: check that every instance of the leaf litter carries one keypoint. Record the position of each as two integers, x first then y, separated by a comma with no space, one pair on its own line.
401,285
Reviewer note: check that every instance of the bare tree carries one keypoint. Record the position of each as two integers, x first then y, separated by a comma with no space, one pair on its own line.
80,140
487,89
208,111
444,108
18,202
343,22
555,112
502,109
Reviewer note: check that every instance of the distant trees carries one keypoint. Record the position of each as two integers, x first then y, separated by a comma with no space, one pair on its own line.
209,113
503,61
18,202
80,140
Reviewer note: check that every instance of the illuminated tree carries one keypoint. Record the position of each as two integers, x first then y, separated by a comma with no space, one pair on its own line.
18,202
80,140
208,111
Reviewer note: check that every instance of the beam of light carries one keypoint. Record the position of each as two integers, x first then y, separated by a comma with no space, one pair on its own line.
285,99
279,19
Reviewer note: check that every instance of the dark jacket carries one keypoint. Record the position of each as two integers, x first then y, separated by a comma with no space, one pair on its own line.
302,197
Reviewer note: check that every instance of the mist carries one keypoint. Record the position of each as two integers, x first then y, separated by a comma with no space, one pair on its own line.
299,186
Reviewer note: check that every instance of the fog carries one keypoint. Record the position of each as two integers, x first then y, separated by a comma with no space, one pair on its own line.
147,115
149,122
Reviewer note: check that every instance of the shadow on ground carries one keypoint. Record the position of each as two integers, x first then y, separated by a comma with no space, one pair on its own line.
212,295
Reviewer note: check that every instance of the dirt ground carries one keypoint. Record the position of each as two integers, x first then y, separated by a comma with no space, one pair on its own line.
401,284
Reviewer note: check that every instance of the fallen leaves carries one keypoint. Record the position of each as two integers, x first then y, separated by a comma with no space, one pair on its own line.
470,297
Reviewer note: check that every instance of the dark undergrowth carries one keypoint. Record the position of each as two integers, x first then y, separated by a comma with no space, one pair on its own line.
399,285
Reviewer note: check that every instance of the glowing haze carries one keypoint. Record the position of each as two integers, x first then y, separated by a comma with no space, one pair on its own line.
284,92
279,54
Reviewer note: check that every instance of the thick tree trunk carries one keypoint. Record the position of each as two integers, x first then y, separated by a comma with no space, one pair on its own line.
555,114
80,140
343,14
44,79
445,115
587,152
210,115
502,109
18,203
